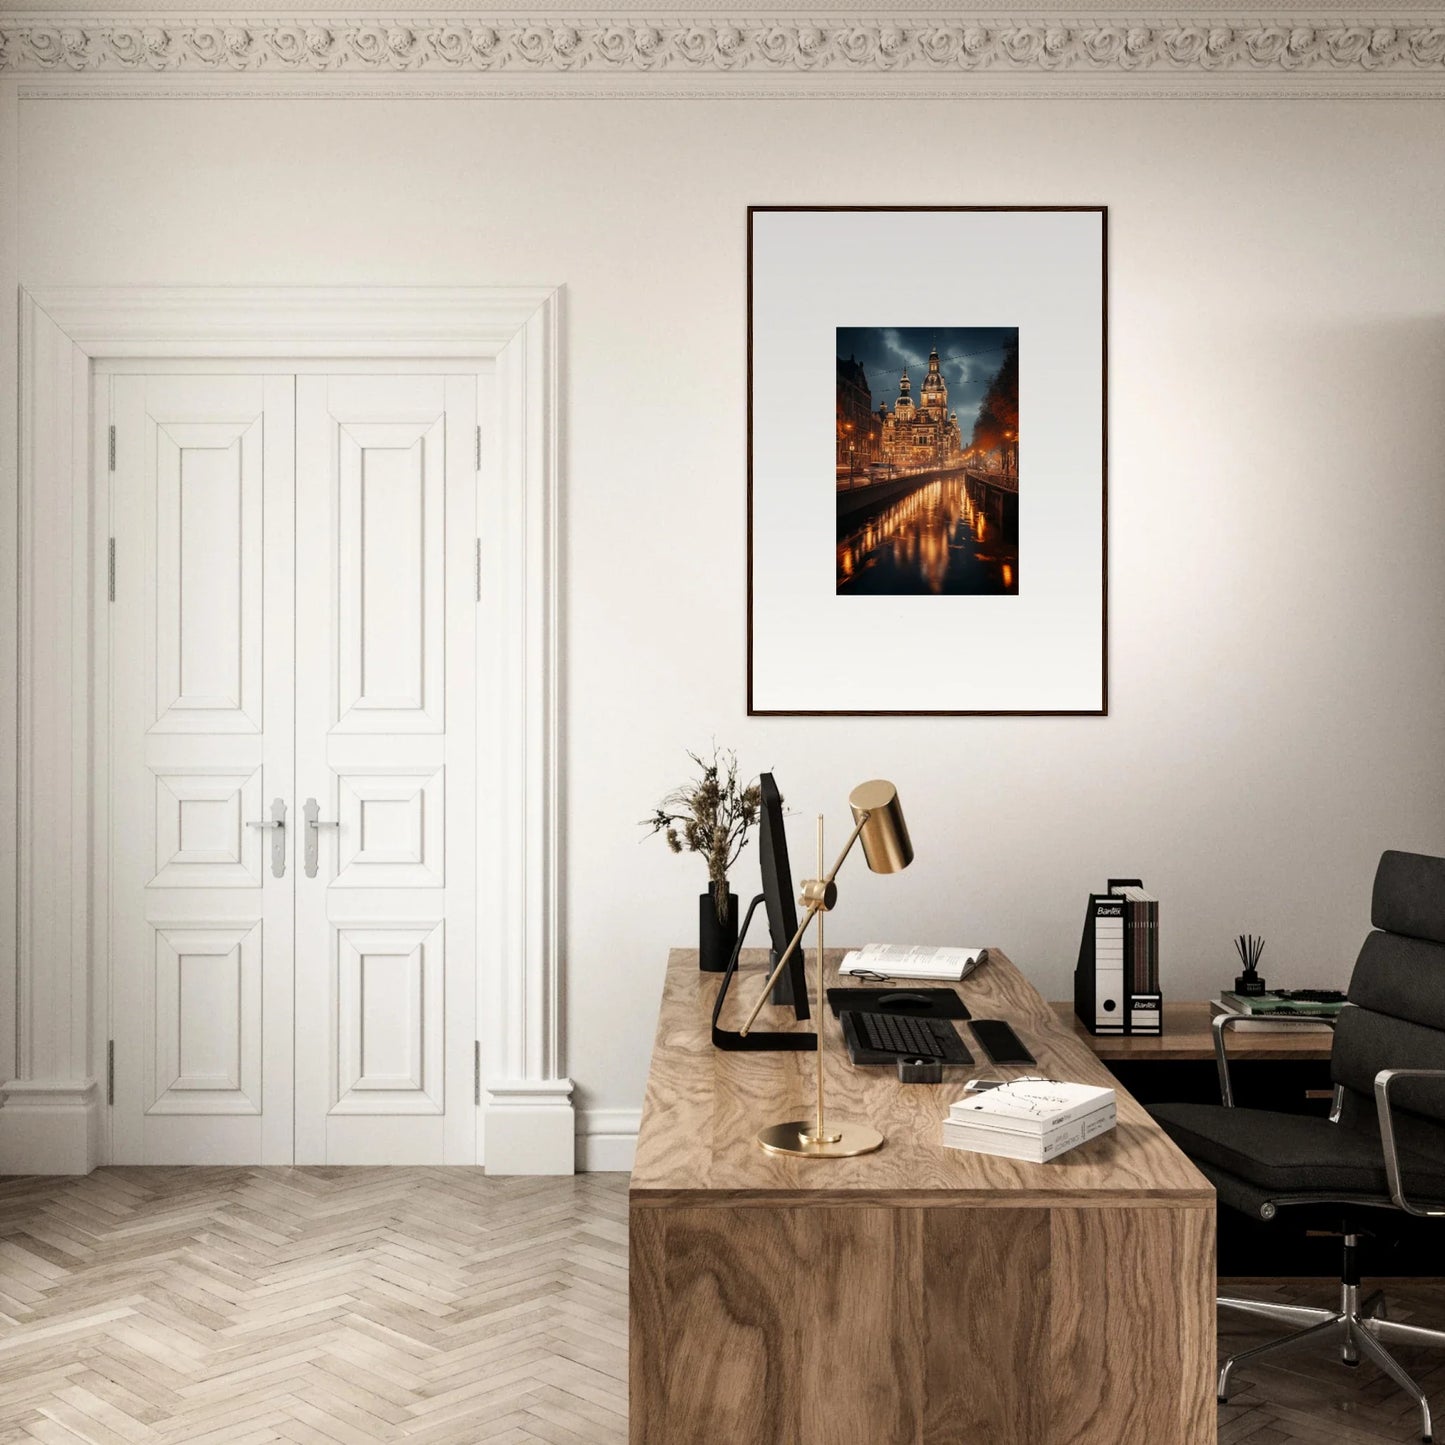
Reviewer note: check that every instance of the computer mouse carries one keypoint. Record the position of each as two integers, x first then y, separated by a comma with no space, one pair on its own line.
903,1000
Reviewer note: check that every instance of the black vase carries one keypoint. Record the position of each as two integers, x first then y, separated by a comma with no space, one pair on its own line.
716,938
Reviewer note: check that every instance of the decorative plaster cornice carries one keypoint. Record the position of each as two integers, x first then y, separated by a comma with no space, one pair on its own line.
1173,45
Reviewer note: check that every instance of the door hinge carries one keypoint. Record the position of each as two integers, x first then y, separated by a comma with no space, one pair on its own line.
110,1072
479,569
479,448
110,568
111,446
477,1071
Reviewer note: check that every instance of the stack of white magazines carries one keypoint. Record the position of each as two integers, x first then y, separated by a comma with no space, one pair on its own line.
1033,1119
902,960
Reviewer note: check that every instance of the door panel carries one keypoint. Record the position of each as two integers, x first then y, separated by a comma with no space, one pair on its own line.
390,1000
201,833
208,1019
208,585
393,828
201,743
390,602
386,486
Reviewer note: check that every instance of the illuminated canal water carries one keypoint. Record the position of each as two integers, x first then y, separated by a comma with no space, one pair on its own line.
952,537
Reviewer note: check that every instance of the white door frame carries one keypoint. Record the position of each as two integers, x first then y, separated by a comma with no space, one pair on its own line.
52,1114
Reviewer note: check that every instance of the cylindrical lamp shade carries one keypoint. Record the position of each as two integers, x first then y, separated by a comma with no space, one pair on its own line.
885,840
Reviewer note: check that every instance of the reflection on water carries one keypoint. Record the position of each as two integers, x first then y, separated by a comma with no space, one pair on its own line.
951,536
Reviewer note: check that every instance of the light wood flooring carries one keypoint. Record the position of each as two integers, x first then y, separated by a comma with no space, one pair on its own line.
317,1305
346,1306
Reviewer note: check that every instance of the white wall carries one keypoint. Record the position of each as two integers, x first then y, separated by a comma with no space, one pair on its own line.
1277,491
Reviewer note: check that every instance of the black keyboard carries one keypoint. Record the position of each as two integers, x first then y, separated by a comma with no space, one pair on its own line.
904,1037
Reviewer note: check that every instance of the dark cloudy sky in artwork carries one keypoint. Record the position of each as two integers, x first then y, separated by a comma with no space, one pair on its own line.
968,356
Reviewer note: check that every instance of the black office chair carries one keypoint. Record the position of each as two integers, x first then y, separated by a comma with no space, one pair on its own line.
1381,1151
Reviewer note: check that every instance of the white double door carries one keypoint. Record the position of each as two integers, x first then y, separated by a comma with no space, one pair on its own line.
292,823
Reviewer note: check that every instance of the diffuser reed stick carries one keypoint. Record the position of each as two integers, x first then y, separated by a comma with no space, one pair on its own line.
1249,947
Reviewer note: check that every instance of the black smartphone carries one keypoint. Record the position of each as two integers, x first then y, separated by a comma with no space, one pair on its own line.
1000,1042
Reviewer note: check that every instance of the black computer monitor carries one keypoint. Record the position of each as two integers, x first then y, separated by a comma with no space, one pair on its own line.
791,990
791,987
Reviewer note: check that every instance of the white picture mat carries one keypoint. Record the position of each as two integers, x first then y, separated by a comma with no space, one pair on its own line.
1039,651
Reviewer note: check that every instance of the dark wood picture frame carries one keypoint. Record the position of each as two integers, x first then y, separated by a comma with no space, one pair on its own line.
1103,709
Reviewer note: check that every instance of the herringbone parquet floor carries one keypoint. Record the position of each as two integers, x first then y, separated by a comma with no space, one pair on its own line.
1309,1396
348,1306
334,1306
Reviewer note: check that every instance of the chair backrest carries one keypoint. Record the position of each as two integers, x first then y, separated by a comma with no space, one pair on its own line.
1397,993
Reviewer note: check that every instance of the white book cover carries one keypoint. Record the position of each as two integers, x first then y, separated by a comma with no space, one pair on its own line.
1034,1148
984,1126
1032,1105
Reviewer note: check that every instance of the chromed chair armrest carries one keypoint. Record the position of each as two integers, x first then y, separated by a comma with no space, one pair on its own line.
1383,1080
1223,1022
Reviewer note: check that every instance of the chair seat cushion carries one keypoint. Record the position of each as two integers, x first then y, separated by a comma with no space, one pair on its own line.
1292,1153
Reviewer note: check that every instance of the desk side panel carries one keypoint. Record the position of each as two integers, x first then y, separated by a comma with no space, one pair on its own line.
986,1291
843,1324
1132,1327
647,1325
774,1327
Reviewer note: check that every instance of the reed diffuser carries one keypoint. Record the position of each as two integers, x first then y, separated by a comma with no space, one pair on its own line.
1249,947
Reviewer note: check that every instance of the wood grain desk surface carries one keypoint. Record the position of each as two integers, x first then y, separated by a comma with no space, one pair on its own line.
1188,1036
704,1106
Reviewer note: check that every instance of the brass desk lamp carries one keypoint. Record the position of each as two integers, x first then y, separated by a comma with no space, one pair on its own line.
878,823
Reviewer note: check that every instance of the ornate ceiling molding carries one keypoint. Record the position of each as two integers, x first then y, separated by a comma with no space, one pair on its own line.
1171,46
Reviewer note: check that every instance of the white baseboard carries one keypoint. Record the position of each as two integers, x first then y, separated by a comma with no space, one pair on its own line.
54,1128
49,1126
530,1127
607,1139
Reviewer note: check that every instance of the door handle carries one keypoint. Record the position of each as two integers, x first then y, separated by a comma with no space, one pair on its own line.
314,824
276,822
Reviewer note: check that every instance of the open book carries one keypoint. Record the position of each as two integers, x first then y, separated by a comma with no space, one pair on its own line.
901,960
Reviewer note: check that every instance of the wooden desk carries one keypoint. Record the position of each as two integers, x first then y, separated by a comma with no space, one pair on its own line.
1187,1037
919,1295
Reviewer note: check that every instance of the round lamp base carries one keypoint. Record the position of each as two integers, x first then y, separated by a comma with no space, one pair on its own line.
794,1137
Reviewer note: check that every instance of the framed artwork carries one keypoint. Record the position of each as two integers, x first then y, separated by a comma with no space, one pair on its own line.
939,544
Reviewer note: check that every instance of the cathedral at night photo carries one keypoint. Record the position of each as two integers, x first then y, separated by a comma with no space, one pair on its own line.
927,483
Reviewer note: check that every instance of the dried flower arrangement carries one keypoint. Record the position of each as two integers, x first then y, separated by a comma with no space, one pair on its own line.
711,815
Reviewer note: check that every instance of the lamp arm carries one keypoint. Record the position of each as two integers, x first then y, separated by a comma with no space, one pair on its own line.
788,952
847,848
814,909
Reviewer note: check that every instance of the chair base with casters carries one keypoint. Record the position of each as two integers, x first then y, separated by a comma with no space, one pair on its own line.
1360,1328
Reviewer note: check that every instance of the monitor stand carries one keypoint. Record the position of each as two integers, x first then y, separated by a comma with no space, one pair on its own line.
756,1040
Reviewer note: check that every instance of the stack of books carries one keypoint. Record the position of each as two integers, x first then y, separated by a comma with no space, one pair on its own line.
1031,1119
1259,1011
1141,939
